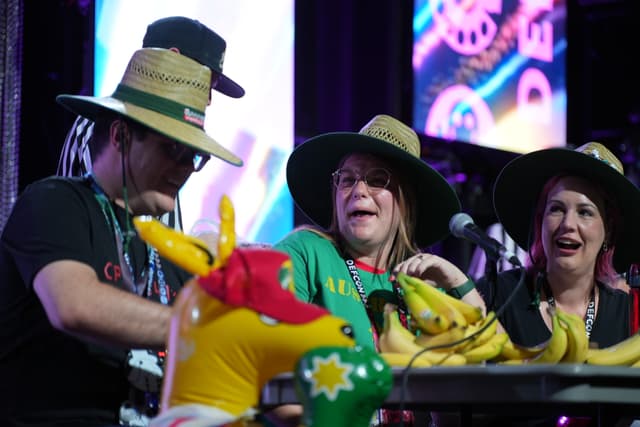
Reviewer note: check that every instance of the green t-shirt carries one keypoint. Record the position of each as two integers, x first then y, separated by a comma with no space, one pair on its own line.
321,277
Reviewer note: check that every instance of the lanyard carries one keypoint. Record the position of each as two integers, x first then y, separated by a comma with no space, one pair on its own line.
128,273
357,281
589,316
383,416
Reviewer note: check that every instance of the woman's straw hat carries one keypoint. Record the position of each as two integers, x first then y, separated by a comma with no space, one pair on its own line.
520,182
310,166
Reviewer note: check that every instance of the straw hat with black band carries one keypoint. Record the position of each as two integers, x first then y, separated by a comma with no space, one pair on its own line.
311,164
520,182
165,91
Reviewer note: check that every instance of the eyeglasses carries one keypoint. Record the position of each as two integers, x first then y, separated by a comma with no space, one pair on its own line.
185,155
376,178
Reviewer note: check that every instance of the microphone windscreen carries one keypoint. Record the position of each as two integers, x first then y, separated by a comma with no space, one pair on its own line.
458,223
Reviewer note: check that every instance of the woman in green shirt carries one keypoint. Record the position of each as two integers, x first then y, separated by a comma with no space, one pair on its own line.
375,204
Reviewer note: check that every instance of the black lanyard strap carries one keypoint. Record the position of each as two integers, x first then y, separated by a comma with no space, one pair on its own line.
357,281
589,315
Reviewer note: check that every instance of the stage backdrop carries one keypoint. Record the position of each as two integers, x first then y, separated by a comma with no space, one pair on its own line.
491,72
258,127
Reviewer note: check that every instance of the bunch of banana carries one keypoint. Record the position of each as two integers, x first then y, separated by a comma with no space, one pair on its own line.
397,346
568,343
515,353
488,350
482,341
444,341
424,316
577,340
454,311
624,353
481,331
447,325
557,344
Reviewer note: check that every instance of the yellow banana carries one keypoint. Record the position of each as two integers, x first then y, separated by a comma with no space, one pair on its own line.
577,341
636,364
624,353
186,251
487,351
444,359
444,339
402,360
437,300
556,346
424,316
515,352
472,313
392,319
485,335
395,338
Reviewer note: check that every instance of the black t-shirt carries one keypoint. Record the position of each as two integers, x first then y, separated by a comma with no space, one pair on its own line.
525,325
46,376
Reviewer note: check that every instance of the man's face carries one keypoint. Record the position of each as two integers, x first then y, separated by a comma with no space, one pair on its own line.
158,167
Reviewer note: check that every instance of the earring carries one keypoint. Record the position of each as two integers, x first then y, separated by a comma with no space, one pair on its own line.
605,248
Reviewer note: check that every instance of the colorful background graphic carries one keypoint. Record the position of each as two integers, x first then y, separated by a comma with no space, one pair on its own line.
491,72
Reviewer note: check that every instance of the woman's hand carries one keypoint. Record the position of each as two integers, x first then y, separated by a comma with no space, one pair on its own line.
445,274
432,268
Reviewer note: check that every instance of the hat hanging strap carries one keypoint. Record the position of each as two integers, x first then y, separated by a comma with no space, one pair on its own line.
128,233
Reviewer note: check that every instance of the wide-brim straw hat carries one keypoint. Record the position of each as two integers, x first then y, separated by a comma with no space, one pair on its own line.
165,91
520,182
311,164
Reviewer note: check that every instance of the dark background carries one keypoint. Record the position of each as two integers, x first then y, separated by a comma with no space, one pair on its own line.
352,61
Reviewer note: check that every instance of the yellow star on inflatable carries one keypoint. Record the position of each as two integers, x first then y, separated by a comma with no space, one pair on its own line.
329,376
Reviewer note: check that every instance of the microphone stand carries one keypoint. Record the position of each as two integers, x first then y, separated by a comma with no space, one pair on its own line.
491,276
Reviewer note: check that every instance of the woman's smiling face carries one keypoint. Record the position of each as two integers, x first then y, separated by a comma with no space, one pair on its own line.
367,215
573,225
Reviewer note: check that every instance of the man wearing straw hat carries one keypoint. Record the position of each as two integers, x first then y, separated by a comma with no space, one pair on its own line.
79,286
184,35
188,37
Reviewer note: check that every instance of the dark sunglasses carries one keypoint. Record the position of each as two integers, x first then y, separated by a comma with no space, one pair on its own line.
185,155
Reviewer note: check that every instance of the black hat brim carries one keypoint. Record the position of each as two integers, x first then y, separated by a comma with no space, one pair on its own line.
311,164
520,182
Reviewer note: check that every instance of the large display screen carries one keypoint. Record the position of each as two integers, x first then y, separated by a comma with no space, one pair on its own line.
491,72
258,127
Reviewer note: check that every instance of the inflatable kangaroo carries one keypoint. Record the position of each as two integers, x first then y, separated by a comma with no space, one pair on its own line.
237,324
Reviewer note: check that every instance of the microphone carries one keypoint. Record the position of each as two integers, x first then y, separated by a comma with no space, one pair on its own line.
462,226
